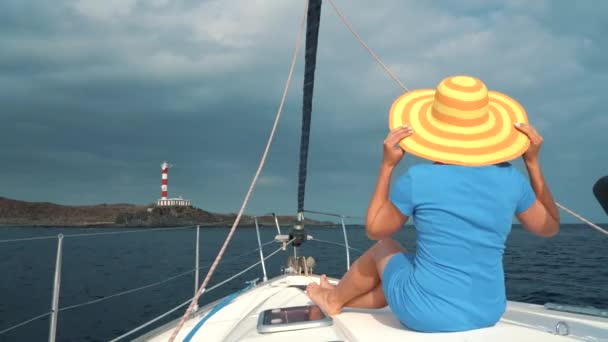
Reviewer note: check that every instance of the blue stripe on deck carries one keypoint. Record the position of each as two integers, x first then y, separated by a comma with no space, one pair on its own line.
213,311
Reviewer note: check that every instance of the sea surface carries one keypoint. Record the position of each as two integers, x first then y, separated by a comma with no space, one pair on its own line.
569,268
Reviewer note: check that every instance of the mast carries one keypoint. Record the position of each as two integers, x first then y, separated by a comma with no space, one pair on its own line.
310,58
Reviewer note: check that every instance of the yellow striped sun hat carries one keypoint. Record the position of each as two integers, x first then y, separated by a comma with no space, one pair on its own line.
460,122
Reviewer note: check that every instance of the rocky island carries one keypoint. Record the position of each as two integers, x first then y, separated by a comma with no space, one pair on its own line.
22,213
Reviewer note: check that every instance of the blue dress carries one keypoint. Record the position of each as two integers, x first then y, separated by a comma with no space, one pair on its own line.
462,215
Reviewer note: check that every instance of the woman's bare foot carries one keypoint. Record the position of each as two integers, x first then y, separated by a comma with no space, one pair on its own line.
324,299
325,283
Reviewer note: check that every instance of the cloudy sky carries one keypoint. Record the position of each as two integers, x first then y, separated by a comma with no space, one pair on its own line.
96,94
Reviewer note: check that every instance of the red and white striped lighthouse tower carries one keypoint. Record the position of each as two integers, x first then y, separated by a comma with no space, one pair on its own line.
164,201
164,179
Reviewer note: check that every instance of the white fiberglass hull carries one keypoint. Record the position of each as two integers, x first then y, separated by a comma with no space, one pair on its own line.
238,319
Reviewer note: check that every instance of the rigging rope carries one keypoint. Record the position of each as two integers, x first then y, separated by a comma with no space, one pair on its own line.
396,79
589,223
350,28
253,183
130,332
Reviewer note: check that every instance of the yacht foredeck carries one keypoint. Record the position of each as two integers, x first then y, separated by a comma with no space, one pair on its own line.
238,321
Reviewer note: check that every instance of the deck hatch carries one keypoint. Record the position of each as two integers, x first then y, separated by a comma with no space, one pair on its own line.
301,287
292,318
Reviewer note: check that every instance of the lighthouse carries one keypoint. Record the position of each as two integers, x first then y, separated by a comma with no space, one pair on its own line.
164,178
164,201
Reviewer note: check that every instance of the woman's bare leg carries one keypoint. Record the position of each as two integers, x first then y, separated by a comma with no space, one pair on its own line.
363,277
374,299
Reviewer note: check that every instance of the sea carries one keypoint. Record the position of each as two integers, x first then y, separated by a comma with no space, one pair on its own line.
569,268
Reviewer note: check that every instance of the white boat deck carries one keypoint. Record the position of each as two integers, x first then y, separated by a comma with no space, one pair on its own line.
237,321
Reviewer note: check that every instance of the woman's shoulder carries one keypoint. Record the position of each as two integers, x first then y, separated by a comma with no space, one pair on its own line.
428,171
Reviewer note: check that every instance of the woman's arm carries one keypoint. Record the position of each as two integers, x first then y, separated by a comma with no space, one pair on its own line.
383,219
542,218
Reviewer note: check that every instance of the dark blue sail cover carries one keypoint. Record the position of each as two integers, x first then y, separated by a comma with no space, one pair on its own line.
312,34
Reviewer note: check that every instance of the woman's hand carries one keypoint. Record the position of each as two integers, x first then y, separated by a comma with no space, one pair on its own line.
392,151
536,140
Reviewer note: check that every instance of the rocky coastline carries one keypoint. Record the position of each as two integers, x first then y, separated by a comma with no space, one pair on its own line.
45,214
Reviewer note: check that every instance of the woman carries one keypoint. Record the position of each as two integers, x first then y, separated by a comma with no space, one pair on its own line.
462,206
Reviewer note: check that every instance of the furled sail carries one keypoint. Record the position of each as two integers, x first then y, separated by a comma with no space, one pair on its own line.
312,34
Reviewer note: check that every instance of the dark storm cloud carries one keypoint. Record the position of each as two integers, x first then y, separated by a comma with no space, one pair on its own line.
96,94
